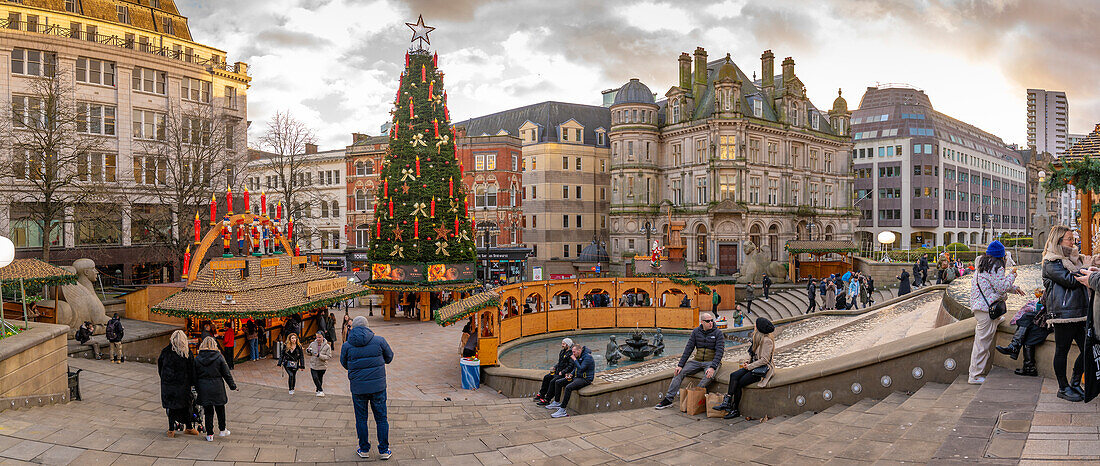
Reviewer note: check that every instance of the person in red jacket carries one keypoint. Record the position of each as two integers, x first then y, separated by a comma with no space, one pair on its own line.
229,338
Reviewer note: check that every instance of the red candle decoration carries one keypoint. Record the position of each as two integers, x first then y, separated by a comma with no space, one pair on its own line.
263,203
417,165
451,187
435,125
197,228
378,229
391,208
435,60
290,228
406,59
433,207
297,251
423,73
187,259
416,228
386,189
446,113
461,168
456,226
410,107
229,200
213,210
247,206
431,88
465,207
279,210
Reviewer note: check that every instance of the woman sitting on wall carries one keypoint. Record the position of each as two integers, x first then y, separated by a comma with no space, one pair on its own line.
759,366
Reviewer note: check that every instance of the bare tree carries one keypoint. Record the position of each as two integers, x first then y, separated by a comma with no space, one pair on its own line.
56,158
184,157
284,143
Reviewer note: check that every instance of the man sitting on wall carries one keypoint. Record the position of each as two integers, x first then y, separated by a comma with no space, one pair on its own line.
708,343
563,367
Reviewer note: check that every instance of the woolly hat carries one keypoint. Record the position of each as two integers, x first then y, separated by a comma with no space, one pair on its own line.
765,326
995,249
567,342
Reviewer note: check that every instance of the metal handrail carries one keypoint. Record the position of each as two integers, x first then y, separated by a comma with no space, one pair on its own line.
60,31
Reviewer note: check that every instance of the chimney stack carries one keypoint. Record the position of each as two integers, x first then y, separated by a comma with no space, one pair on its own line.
767,72
311,148
685,71
788,69
699,88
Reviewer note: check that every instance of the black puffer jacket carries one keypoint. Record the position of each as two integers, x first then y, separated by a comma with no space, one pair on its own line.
210,370
1064,296
565,361
176,378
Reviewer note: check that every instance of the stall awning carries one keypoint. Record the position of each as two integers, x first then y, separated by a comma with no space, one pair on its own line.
34,271
455,311
820,247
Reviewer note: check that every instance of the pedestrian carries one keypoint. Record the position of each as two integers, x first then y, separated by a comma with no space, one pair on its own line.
715,300
916,274
1065,275
758,368
990,284
584,370
750,294
365,356
903,283
176,369
252,334
469,339
229,341
291,359
211,370
864,293
330,331
319,353
923,269
853,291
207,331
830,295
114,337
811,291
766,283
345,326
870,282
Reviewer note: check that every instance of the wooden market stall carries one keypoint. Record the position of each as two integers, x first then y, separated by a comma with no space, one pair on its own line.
33,275
1077,167
806,258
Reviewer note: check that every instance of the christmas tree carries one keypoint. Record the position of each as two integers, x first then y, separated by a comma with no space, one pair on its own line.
422,230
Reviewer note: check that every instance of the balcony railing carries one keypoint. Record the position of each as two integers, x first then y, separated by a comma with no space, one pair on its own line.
55,30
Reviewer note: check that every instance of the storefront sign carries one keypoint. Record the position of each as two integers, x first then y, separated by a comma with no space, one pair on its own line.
297,260
317,287
227,265
561,276
332,263
359,256
272,262
536,273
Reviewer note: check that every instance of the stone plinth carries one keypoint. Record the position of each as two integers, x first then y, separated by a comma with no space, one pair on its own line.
33,365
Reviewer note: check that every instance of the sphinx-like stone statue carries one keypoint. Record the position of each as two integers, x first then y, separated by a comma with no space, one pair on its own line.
79,302
758,262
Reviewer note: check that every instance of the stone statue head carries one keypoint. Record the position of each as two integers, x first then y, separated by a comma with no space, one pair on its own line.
612,338
86,269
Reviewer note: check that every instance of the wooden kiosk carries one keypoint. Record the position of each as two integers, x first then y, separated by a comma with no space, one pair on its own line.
32,273
806,258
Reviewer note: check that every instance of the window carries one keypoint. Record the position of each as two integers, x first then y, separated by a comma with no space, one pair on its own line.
230,97
754,190
70,6
677,192
757,108
95,118
123,14
195,90
362,235
754,151
95,71
599,138
828,196
727,148
28,112
167,25
603,194
565,221
565,250
97,167
773,152
701,189
334,209
196,131
815,121
578,163
148,80
828,161
578,225
324,209
148,125
700,150
230,135
565,192
773,191
33,62
727,185
91,34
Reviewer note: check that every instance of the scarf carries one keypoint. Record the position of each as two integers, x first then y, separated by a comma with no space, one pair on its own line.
1071,258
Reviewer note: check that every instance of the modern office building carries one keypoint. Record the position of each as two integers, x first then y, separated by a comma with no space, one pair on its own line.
1047,120
136,76
930,178
565,164
723,161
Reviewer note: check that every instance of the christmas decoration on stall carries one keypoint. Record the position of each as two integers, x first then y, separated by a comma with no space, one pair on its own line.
418,221
655,255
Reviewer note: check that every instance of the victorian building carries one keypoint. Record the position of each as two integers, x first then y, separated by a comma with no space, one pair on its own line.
723,161
139,83
364,160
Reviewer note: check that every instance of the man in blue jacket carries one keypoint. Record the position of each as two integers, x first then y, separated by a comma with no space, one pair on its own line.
365,356
584,370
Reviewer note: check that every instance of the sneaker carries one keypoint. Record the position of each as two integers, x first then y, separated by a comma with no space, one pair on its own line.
291,392
542,402
559,413
385,455
554,405
976,380
224,433
663,404
320,393
209,438
362,454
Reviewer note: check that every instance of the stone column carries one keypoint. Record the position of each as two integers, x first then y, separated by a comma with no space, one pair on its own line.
127,222
70,229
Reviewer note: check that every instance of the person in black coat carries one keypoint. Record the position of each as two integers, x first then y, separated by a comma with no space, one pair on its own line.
210,370
176,369
292,360
564,366
903,283
811,295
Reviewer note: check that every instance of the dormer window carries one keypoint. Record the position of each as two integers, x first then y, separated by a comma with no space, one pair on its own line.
815,121
601,137
675,111
758,108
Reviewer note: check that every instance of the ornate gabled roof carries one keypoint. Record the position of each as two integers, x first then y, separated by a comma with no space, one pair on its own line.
728,72
1089,146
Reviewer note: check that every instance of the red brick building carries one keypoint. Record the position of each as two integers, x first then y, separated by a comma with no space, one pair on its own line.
493,178
364,158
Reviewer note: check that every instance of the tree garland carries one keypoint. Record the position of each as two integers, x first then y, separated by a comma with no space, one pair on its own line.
12,285
312,305
439,286
465,307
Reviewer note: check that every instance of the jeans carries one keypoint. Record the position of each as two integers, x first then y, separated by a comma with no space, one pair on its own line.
548,383
318,378
290,375
1065,335
813,305
740,379
253,349
564,387
377,402
766,291
208,413
228,353
691,367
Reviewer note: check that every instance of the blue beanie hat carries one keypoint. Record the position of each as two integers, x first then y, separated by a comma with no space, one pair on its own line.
995,249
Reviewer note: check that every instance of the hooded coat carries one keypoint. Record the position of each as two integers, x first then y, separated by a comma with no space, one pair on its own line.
210,371
903,283
176,378
585,367
365,356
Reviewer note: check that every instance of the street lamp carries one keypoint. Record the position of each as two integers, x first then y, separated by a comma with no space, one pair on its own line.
7,255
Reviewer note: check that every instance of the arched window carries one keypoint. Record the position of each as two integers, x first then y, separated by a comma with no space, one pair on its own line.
324,209
335,209
360,200
829,233
701,243
773,241
515,188
362,235
491,196
360,169
754,235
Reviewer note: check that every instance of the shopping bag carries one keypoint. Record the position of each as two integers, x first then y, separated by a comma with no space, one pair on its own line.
714,399
683,398
696,402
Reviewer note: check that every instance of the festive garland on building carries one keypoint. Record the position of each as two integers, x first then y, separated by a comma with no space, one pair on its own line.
312,305
458,310
680,279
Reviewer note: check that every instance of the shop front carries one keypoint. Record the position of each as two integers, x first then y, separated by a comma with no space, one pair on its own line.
334,263
357,261
506,265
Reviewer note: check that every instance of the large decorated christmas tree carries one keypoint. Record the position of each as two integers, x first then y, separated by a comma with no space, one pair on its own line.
422,230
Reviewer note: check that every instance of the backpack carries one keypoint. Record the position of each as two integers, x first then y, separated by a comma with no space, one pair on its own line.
114,330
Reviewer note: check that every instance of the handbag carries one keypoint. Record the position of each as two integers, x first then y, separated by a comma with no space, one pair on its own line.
761,371
997,309
292,365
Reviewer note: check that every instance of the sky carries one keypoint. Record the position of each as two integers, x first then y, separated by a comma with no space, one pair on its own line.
334,64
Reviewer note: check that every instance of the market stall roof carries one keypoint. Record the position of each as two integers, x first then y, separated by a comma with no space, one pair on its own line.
455,311
820,247
35,271
273,286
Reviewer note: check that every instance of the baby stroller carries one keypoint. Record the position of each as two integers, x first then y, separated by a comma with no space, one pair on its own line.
196,413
